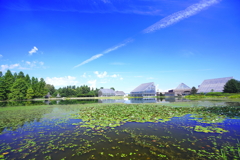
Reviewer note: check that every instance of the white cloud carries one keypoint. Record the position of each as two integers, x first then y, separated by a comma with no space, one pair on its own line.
114,75
1,56
6,67
62,81
101,75
92,84
121,78
34,50
105,75
29,63
178,16
34,64
84,75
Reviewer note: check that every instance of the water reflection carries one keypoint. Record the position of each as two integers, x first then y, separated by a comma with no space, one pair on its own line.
111,101
143,100
125,100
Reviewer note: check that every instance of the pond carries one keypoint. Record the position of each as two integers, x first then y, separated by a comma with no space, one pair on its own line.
166,101
120,131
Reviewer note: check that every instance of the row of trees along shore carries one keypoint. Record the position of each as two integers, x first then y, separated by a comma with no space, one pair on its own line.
18,86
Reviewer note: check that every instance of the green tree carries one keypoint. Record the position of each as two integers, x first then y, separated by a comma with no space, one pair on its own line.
30,93
34,85
193,90
112,88
3,93
8,82
18,90
28,80
41,90
232,86
20,75
50,88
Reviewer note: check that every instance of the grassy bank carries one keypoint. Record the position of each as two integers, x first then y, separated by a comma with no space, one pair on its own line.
214,95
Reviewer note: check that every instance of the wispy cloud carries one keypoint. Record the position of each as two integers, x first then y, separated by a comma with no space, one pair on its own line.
90,6
34,50
118,46
163,23
104,52
1,56
33,64
106,1
89,60
178,16
6,67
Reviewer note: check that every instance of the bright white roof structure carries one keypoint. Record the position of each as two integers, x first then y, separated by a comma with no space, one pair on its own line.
107,91
119,92
142,87
182,86
217,85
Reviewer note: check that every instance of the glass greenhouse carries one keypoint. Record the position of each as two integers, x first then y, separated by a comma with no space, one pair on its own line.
145,89
213,85
106,93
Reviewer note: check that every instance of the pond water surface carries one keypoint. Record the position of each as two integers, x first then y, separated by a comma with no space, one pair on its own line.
100,131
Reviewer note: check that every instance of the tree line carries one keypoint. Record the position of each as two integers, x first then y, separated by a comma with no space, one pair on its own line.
18,86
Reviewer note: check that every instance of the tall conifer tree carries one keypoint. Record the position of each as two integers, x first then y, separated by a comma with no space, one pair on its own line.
8,81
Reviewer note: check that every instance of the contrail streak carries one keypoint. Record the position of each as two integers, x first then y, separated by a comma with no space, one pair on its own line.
178,16
165,22
104,52
89,60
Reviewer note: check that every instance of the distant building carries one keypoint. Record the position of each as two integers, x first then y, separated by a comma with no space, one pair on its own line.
58,95
181,90
119,93
145,89
106,93
169,94
213,85
48,95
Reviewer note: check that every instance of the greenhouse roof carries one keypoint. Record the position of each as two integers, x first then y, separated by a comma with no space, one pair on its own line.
107,90
120,92
215,85
182,86
142,87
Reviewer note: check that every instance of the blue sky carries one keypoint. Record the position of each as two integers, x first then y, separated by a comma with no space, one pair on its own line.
121,43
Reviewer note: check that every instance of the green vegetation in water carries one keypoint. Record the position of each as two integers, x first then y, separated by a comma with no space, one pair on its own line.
209,129
102,116
120,131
